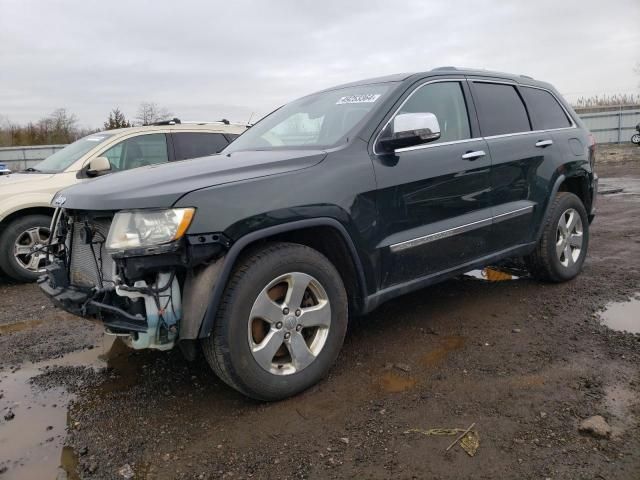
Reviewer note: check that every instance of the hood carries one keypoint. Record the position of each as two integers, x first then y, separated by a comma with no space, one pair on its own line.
16,178
160,186
25,183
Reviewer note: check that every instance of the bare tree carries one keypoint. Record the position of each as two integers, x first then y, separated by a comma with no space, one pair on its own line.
61,127
149,112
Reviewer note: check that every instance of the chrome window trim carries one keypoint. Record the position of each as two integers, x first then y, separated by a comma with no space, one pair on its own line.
491,137
430,145
432,237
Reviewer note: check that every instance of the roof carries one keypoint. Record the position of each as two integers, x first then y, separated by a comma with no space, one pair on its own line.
213,127
447,70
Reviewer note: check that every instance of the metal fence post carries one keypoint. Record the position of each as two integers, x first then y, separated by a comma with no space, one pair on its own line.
620,126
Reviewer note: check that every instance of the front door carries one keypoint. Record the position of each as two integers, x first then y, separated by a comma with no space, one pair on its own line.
434,199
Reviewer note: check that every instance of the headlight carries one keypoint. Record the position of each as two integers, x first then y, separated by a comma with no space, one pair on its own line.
147,228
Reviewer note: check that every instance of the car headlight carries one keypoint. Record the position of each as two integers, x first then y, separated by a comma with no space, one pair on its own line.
140,229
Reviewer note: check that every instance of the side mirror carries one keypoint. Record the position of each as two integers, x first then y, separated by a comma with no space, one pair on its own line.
98,166
409,129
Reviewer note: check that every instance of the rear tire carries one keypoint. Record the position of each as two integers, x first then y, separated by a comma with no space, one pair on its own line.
16,240
635,138
562,248
280,324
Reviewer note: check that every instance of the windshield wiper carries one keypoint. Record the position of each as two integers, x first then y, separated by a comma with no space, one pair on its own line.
31,169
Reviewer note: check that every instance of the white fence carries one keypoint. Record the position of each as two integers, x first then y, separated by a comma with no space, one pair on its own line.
19,158
612,127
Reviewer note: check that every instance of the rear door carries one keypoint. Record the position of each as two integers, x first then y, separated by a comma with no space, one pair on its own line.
197,144
522,161
434,199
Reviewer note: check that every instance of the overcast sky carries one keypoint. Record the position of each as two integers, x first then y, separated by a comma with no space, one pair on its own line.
211,59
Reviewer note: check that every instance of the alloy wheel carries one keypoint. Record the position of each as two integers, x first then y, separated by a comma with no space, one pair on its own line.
289,323
25,249
569,237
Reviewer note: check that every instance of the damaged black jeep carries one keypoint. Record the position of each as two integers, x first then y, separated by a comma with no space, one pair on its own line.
326,208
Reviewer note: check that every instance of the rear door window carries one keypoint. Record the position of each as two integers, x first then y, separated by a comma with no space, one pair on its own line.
500,109
546,112
197,144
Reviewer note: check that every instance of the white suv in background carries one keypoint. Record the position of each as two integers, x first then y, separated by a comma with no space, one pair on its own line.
25,197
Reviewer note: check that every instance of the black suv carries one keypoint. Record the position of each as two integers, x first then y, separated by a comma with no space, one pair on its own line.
326,208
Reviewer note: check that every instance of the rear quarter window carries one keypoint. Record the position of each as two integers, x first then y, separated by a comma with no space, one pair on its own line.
546,112
500,109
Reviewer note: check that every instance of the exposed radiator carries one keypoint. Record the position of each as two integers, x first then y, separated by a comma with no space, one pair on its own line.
85,267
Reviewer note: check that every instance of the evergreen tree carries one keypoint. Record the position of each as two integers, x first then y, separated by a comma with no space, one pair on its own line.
116,120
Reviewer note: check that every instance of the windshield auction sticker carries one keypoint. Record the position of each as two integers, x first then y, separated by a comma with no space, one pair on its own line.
368,98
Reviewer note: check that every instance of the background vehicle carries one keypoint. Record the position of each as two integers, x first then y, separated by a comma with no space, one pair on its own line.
635,138
331,205
4,170
25,197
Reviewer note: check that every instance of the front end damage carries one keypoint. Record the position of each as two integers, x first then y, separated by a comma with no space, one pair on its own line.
151,297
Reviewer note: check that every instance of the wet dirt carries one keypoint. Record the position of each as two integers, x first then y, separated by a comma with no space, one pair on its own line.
32,440
623,316
394,383
524,360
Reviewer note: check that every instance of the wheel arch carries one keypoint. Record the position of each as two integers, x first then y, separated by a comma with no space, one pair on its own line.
317,233
579,186
576,184
48,211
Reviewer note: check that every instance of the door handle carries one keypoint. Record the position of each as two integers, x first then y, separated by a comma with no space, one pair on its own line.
544,143
473,155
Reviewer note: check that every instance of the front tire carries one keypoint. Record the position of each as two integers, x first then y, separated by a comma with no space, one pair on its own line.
280,324
562,248
17,260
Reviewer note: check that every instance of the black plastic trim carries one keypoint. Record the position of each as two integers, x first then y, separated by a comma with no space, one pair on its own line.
241,243
554,191
378,298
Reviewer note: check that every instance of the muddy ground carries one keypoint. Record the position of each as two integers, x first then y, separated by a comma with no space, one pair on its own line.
525,361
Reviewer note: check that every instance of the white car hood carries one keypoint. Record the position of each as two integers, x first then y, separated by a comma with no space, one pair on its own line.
15,178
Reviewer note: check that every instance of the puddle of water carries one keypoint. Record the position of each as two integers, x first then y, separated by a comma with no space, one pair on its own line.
394,383
623,316
31,444
491,275
8,328
619,186
438,354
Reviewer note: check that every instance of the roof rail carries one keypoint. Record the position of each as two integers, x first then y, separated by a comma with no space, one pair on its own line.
172,121
527,76
177,121
444,68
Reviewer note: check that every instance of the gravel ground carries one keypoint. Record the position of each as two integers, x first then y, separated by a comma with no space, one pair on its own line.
525,361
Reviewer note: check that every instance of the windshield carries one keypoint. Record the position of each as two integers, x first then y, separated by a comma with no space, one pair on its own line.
321,120
62,159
